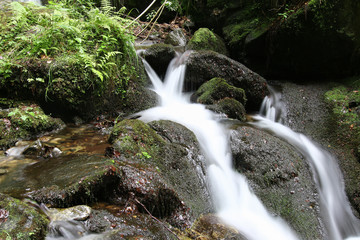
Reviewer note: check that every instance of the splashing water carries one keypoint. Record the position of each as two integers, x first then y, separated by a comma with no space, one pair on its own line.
234,201
338,217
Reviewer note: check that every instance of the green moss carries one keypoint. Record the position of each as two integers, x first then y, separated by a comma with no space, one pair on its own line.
23,221
218,88
204,39
65,54
345,103
24,122
134,138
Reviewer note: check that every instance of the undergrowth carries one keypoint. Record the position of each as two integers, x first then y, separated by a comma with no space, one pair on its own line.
92,38
345,102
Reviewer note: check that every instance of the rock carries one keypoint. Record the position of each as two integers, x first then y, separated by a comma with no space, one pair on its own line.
21,220
204,39
159,56
210,227
121,225
230,107
176,38
280,177
79,213
217,89
25,122
173,152
204,65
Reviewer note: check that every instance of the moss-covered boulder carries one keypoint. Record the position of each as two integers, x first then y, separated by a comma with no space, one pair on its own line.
159,56
230,107
216,89
21,220
78,63
204,39
171,149
25,122
280,177
202,66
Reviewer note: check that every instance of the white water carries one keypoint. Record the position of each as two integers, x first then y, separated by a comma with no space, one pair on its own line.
338,217
234,201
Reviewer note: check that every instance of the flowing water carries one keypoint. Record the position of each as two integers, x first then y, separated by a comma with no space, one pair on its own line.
338,217
235,203
234,200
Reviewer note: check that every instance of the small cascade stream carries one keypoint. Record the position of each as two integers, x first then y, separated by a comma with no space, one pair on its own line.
338,217
235,202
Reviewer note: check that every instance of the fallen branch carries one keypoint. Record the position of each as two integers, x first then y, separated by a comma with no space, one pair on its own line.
156,218
141,14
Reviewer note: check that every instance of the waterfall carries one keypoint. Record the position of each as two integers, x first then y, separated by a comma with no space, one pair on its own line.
338,217
235,202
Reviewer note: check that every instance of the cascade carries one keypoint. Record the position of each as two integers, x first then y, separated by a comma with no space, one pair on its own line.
338,217
235,203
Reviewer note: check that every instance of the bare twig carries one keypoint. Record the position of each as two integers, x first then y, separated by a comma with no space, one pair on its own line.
156,218
146,9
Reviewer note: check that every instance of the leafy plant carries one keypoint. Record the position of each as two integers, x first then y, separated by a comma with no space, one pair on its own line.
68,29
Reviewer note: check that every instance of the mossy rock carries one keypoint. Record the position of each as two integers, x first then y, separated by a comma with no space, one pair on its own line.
172,150
230,107
204,39
20,220
217,89
25,122
202,66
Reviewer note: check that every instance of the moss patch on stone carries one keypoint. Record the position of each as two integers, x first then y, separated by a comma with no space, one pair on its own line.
216,89
20,220
204,39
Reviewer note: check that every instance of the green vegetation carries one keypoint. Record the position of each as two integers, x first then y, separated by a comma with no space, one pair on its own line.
78,48
345,102
24,122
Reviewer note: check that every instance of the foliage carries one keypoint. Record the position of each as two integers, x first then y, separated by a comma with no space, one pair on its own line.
90,37
345,102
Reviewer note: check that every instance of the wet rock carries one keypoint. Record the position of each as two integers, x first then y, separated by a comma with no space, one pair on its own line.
204,39
20,220
159,56
174,153
176,38
205,65
279,176
79,213
119,225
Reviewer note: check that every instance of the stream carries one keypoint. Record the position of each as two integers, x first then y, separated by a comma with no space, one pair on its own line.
235,202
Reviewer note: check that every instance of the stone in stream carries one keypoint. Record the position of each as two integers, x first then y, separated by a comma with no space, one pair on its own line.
280,177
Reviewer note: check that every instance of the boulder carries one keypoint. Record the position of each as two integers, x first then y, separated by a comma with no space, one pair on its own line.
204,39
204,65
230,107
280,177
217,89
